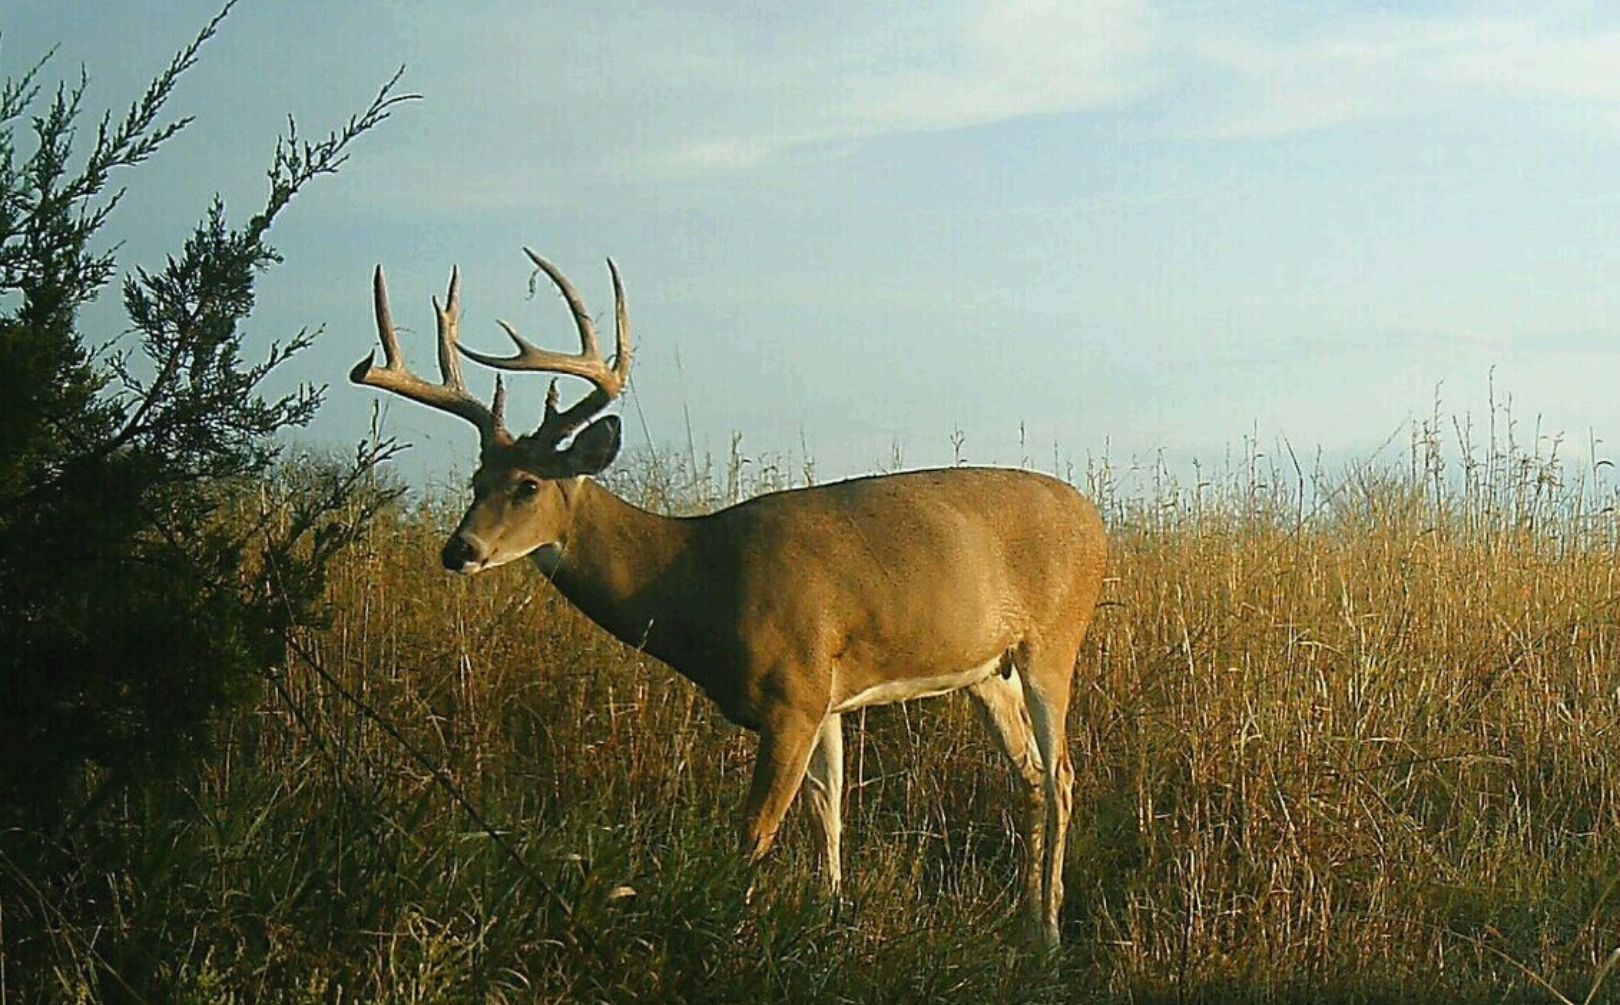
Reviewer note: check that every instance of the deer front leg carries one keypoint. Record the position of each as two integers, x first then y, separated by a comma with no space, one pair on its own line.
825,788
785,743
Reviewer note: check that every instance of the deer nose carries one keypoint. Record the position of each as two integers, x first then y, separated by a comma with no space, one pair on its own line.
458,551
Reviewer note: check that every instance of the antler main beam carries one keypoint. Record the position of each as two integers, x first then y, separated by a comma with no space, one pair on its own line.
450,394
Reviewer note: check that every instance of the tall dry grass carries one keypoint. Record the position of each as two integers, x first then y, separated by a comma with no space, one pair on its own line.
1340,736
1360,731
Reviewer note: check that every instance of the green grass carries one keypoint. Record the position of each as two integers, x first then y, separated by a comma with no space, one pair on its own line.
1349,738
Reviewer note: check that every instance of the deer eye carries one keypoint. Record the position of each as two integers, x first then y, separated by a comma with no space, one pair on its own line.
527,487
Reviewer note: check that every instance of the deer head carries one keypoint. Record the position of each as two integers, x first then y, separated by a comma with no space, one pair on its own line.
524,485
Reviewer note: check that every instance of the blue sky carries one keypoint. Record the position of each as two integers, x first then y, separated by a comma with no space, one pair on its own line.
1122,225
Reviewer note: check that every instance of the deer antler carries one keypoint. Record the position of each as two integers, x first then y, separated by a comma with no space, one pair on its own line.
450,395
588,363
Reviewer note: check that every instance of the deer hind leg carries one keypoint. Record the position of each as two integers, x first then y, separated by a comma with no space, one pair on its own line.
825,788
1047,677
1000,704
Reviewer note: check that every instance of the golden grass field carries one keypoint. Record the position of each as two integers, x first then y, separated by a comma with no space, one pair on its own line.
1340,736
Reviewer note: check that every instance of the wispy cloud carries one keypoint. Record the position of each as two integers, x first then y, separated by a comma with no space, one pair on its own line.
572,94
933,70
1265,79
661,90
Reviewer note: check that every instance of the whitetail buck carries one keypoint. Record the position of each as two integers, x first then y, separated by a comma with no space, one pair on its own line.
795,607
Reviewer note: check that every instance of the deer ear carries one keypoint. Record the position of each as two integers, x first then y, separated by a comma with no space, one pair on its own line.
594,448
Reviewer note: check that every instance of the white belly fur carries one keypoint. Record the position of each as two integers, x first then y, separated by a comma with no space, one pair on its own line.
917,687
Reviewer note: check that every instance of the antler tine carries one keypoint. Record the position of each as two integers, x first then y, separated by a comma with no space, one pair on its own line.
621,327
498,406
552,398
451,394
560,424
449,324
587,363
385,329
576,304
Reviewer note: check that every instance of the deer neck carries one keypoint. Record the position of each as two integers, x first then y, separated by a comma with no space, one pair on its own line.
613,561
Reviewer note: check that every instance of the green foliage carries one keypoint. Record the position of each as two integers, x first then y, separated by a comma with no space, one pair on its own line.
146,580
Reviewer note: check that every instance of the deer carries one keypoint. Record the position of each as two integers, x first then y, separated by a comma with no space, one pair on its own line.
794,608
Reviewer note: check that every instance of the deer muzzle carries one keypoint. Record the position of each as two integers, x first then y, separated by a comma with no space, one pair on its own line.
460,554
